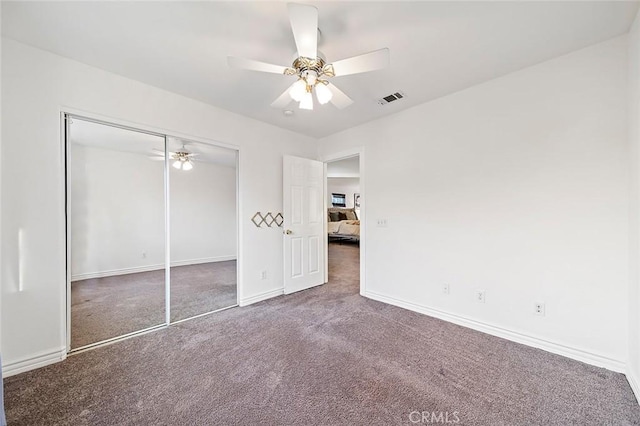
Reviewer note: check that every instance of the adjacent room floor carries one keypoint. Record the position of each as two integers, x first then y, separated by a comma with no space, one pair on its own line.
325,356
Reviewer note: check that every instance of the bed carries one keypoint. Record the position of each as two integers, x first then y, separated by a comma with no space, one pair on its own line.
343,224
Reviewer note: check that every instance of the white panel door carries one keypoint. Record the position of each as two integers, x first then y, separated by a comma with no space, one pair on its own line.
303,193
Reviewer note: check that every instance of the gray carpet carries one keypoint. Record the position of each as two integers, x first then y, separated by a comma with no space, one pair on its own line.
324,356
103,308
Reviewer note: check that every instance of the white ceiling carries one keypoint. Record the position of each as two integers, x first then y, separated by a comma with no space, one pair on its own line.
437,48
96,135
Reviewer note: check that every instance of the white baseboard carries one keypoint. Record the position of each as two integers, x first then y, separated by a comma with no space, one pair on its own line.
202,260
634,382
148,268
569,352
32,363
261,296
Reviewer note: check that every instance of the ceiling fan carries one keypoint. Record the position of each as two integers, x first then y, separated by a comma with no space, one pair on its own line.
311,67
182,159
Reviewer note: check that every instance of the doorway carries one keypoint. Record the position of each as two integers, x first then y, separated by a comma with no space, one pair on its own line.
151,230
345,212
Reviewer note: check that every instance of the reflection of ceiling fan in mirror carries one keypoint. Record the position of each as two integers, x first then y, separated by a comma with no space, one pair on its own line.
182,159
311,67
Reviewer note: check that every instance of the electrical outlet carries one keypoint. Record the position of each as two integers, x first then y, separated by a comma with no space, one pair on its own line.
382,223
480,296
538,308
263,275
446,289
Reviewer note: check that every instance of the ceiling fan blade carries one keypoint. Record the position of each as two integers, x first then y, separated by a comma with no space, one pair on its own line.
362,63
284,99
250,64
304,24
156,158
339,99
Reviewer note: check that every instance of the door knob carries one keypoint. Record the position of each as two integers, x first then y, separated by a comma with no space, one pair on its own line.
288,232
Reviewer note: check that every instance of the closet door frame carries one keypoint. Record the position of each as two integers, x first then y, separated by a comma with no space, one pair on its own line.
67,114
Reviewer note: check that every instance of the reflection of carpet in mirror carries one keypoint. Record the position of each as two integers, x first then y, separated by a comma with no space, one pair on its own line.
196,289
102,308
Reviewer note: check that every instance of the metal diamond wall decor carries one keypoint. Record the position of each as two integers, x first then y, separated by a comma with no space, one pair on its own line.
268,219
257,219
279,219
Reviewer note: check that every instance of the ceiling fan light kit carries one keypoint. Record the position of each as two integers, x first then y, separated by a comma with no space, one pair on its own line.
311,67
309,72
307,101
183,164
182,160
298,90
323,93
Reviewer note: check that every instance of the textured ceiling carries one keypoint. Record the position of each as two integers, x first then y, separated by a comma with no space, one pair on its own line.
437,48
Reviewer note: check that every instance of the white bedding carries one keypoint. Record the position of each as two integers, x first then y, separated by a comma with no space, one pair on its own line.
344,227
333,227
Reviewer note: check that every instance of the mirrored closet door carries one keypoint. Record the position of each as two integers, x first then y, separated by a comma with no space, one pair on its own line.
131,196
116,225
202,182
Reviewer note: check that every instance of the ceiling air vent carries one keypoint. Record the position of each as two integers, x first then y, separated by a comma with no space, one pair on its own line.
391,98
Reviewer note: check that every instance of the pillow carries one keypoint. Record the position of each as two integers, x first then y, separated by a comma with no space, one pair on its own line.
342,216
351,215
334,216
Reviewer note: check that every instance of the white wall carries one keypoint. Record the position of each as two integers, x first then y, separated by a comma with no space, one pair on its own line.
203,214
633,368
519,187
36,86
347,186
117,213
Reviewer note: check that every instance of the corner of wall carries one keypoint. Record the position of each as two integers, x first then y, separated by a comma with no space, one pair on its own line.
634,381
633,57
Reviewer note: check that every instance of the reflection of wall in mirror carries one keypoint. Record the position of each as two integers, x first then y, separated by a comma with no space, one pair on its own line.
117,212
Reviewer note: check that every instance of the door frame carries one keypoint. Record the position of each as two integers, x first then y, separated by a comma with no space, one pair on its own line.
124,124
330,158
